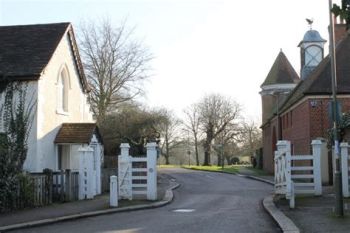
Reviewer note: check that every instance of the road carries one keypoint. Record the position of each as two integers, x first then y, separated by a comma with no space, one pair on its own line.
205,202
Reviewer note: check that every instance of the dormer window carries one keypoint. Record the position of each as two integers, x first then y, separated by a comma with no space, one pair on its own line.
62,91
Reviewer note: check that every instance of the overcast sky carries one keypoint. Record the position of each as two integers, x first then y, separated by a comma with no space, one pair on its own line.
200,46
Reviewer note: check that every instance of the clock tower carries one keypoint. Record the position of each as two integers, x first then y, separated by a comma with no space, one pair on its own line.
311,52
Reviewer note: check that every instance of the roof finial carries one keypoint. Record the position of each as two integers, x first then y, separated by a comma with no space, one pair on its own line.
310,22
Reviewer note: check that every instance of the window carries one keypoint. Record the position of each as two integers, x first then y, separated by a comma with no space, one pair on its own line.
62,91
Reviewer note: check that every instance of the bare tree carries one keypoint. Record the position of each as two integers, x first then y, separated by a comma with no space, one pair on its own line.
216,113
227,140
192,124
168,129
114,63
251,137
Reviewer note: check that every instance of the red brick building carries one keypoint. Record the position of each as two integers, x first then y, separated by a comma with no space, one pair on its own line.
298,109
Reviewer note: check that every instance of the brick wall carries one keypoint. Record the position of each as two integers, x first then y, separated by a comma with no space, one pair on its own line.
269,145
307,121
310,120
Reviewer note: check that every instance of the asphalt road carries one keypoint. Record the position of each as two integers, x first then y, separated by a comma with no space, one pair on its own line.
205,202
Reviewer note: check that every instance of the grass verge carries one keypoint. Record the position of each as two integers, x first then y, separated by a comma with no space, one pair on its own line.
227,169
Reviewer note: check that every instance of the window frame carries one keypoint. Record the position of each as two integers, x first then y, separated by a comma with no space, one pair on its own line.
63,87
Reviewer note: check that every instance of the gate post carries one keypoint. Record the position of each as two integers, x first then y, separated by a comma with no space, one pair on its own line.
316,152
85,172
283,145
113,193
124,172
68,185
151,171
345,168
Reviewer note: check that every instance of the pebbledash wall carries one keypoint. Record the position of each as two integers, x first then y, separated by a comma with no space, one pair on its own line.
307,120
48,119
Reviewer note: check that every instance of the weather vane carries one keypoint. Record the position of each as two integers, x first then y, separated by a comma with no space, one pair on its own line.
310,22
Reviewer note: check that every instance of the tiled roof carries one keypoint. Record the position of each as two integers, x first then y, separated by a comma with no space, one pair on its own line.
77,133
281,72
25,50
319,81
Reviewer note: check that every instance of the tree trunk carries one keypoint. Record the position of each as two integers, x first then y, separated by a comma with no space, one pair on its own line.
166,159
196,150
166,148
228,160
207,149
219,160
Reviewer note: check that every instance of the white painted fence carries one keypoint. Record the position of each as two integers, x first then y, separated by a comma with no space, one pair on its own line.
124,173
86,184
291,179
344,152
137,175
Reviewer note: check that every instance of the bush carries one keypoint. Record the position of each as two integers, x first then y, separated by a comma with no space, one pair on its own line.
235,160
16,192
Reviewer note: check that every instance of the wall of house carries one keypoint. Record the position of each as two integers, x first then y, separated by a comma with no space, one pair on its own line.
297,130
269,141
268,102
49,118
32,162
308,121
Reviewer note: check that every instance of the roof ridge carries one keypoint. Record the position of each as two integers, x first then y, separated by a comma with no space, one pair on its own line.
33,25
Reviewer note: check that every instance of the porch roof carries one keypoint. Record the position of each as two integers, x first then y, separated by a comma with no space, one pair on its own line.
77,133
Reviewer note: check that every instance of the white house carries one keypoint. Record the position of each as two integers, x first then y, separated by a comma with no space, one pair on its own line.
46,56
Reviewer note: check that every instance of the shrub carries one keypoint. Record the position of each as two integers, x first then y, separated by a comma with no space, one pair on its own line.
235,160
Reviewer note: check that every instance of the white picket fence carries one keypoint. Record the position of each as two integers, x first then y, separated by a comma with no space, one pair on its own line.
137,175
291,179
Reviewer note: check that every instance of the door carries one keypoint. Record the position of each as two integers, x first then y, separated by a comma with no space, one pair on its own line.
63,157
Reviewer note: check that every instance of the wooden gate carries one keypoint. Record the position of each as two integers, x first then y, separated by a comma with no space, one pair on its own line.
137,176
291,178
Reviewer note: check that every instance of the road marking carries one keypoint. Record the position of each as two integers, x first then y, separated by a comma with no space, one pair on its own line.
209,176
184,210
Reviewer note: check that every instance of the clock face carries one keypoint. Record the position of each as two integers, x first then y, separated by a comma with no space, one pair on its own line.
313,56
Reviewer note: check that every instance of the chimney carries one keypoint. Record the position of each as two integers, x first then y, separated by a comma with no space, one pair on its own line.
339,30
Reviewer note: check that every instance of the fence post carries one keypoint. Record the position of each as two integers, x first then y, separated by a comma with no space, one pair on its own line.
283,145
276,169
316,152
290,195
345,167
113,193
151,171
68,185
85,172
48,184
62,185
124,172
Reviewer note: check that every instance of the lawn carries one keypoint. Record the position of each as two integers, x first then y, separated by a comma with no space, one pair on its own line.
168,166
228,169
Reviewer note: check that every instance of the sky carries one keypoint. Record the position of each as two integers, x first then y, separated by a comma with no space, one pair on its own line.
199,46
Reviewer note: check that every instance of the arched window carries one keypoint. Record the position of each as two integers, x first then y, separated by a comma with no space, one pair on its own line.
63,89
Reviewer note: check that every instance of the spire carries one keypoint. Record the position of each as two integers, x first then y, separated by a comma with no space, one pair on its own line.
281,72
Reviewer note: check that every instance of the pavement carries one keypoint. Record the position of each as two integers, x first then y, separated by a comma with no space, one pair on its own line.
310,215
85,208
316,214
